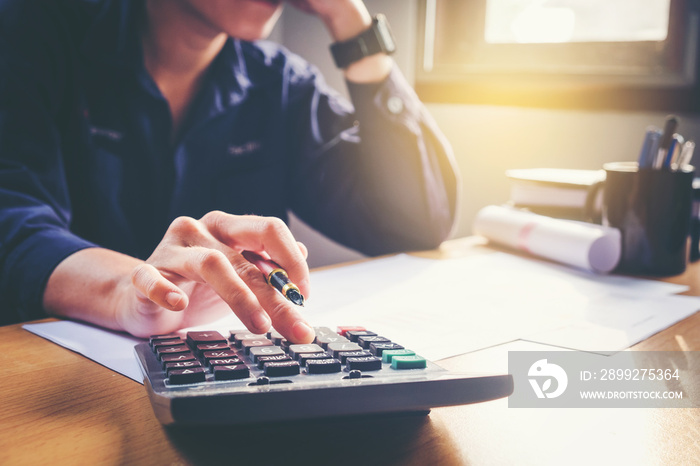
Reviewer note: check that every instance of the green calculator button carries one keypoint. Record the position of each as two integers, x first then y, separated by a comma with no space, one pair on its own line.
388,354
408,362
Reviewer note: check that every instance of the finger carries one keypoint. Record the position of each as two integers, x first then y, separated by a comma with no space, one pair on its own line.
268,234
151,284
306,287
213,267
304,250
286,317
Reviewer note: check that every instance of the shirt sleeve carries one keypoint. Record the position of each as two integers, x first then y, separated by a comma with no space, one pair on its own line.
34,205
376,175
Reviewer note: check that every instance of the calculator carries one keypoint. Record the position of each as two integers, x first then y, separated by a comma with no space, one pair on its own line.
243,378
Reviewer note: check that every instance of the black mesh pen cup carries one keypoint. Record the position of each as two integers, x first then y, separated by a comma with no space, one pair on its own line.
652,210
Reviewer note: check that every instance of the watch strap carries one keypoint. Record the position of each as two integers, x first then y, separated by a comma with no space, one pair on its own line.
377,39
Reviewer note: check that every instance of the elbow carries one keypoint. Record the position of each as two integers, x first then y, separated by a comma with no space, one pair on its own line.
419,234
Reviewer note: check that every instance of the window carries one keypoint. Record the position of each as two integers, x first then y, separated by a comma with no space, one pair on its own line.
612,54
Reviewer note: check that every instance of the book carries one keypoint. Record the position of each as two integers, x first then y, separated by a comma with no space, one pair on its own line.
557,192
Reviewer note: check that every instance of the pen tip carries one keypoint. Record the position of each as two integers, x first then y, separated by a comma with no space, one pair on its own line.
295,297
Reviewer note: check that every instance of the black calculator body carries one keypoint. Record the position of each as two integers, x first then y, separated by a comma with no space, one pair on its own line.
209,378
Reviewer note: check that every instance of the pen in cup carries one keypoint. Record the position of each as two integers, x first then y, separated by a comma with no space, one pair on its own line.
667,137
276,276
674,151
650,147
686,154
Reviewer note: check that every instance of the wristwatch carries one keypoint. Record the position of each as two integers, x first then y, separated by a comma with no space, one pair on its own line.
376,39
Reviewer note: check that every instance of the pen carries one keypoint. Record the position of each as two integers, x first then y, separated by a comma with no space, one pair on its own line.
686,154
669,128
276,277
650,147
674,150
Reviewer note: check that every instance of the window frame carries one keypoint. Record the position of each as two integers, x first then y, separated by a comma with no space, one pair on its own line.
669,84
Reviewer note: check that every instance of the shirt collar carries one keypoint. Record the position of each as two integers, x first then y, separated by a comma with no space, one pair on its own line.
228,77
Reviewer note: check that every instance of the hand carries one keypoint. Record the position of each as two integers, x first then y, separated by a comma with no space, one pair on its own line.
343,18
197,267
346,19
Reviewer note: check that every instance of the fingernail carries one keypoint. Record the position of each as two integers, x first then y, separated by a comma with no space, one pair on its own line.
173,298
302,332
260,321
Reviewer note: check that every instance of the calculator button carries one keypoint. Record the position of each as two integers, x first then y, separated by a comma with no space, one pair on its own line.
161,343
183,376
169,336
323,331
256,352
343,355
336,348
365,340
323,366
388,354
170,366
367,363
188,356
172,350
231,372
197,338
275,336
211,347
224,362
282,368
343,330
313,356
222,354
408,362
353,335
378,348
246,345
295,351
238,338
280,357
325,340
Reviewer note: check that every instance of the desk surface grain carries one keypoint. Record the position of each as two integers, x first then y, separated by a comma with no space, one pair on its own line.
60,408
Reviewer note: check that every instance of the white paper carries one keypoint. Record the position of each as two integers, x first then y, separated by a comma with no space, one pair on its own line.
111,349
583,245
614,324
442,308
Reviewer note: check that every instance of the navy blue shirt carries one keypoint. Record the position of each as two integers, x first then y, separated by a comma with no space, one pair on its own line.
87,155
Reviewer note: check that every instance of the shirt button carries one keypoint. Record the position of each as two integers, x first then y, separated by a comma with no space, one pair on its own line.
395,105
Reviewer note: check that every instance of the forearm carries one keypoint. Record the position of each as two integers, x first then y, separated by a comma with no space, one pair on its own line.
388,184
88,286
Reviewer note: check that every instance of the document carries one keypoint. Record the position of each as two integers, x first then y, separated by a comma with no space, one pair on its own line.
443,308
111,349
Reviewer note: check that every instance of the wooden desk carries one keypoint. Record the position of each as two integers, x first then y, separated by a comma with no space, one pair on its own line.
60,408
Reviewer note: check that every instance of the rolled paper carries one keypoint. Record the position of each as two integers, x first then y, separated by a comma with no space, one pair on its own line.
583,245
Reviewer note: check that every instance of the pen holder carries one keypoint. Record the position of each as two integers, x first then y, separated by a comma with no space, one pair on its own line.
652,210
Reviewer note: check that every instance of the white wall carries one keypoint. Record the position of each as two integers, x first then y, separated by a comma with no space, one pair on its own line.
489,140
486,140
